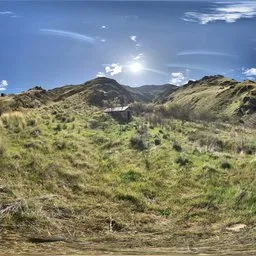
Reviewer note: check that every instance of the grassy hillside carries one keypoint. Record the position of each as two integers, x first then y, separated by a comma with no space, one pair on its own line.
68,169
216,97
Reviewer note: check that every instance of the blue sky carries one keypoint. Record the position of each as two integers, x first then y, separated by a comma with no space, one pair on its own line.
54,43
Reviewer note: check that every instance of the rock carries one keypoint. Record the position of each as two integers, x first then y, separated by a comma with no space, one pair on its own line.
236,227
35,133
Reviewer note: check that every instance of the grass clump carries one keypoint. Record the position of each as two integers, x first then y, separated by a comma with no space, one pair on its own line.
14,121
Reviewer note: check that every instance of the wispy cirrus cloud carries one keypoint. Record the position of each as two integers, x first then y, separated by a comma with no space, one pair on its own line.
10,14
205,52
228,12
3,85
6,13
160,72
189,66
69,34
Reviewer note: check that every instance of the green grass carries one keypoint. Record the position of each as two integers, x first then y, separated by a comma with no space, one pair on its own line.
80,177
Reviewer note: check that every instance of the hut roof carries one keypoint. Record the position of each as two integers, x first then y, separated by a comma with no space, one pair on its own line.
116,109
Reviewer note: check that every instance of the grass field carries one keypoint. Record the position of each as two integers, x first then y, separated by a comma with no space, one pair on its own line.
68,169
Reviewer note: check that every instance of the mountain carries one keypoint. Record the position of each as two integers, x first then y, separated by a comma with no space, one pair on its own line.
99,92
95,92
149,93
103,89
216,96
212,96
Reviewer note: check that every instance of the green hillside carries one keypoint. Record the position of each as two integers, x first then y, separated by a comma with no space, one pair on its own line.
216,97
68,169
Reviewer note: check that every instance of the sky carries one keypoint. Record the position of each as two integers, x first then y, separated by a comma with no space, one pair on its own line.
56,43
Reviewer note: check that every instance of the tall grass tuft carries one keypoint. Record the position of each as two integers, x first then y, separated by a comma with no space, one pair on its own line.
14,121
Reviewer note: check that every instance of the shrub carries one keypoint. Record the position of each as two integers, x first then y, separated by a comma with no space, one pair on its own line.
225,165
176,146
165,212
157,141
31,122
138,143
57,128
182,161
60,145
166,136
130,176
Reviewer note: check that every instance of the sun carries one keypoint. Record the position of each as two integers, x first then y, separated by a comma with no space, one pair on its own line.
135,67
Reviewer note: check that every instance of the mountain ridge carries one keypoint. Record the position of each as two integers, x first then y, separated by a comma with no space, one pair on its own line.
217,96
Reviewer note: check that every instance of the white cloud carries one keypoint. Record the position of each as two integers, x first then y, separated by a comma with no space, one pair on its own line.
101,74
138,57
228,12
133,38
3,85
103,26
103,40
250,72
113,69
177,78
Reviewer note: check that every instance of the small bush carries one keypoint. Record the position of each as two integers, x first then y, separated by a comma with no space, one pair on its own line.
130,176
176,147
225,165
60,145
157,141
182,161
166,136
165,212
57,128
31,122
138,143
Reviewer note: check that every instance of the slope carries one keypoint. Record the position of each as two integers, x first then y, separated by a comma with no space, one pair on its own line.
68,169
216,96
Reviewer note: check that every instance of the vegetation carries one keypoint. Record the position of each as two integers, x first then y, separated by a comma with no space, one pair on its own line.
68,169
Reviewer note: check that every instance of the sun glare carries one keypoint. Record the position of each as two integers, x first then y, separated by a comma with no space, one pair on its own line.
135,67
